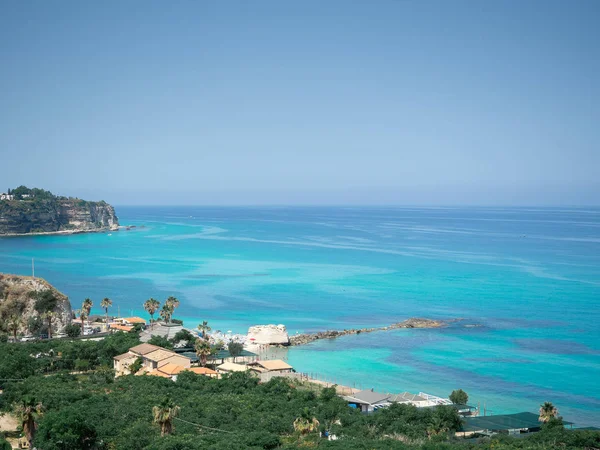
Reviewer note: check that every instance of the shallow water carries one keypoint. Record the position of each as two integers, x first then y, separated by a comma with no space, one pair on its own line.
529,277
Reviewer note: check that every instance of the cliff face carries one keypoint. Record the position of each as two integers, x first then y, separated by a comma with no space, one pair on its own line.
59,214
18,296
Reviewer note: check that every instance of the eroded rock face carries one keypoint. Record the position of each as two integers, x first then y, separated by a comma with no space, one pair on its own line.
58,214
268,334
17,295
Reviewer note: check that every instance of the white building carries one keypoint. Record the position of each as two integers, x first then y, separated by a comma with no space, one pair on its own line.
4,196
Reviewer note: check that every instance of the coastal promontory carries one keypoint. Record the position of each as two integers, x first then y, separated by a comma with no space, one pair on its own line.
29,304
26,211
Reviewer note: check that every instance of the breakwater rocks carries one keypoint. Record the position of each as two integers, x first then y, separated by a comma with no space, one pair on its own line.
301,339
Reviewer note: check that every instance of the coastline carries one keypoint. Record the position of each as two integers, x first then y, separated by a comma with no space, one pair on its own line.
61,232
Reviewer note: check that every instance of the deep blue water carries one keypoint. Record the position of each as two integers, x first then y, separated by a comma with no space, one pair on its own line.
530,277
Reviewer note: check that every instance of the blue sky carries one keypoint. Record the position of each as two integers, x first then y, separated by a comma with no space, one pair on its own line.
399,102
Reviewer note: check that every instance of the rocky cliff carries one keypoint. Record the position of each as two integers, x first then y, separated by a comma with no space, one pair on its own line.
18,298
55,214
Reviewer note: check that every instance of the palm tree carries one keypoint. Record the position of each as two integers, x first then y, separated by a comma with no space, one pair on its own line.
151,306
49,315
106,303
305,426
164,415
173,303
14,323
87,306
547,412
203,350
204,329
27,413
166,312
436,426
83,316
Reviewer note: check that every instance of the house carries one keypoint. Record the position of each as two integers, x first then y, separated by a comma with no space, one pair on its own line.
122,362
274,365
230,367
161,357
130,320
153,358
4,196
368,400
410,399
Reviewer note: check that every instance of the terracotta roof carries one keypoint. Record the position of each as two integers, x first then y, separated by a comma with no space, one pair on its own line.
171,369
176,359
232,367
142,371
202,371
156,373
159,354
116,326
123,356
274,364
142,349
134,320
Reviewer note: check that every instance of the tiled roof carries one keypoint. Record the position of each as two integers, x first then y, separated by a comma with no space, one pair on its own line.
159,354
171,369
157,373
143,349
123,356
202,371
275,364
232,367
134,320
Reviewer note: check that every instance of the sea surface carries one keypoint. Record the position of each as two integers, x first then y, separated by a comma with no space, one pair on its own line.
529,278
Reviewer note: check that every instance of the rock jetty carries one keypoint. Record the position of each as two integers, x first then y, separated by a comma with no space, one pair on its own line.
301,339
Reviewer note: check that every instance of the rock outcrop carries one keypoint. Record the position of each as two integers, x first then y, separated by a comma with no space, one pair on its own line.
18,296
301,339
46,213
268,334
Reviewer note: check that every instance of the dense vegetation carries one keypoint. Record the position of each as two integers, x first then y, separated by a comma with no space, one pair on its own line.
92,410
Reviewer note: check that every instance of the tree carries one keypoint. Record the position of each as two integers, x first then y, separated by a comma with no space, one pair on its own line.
73,331
14,323
82,316
164,415
173,303
45,301
49,316
135,366
160,341
305,423
547,412
235,349
204,329
203,350
106,303
27,412
151,306
165,312
87,306
459,397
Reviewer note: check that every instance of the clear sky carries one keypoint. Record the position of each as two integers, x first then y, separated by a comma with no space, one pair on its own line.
311,102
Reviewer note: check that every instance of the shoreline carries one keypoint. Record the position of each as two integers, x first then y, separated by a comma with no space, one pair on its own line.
61,232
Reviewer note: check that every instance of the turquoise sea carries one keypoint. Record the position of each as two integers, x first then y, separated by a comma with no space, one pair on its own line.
530,277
